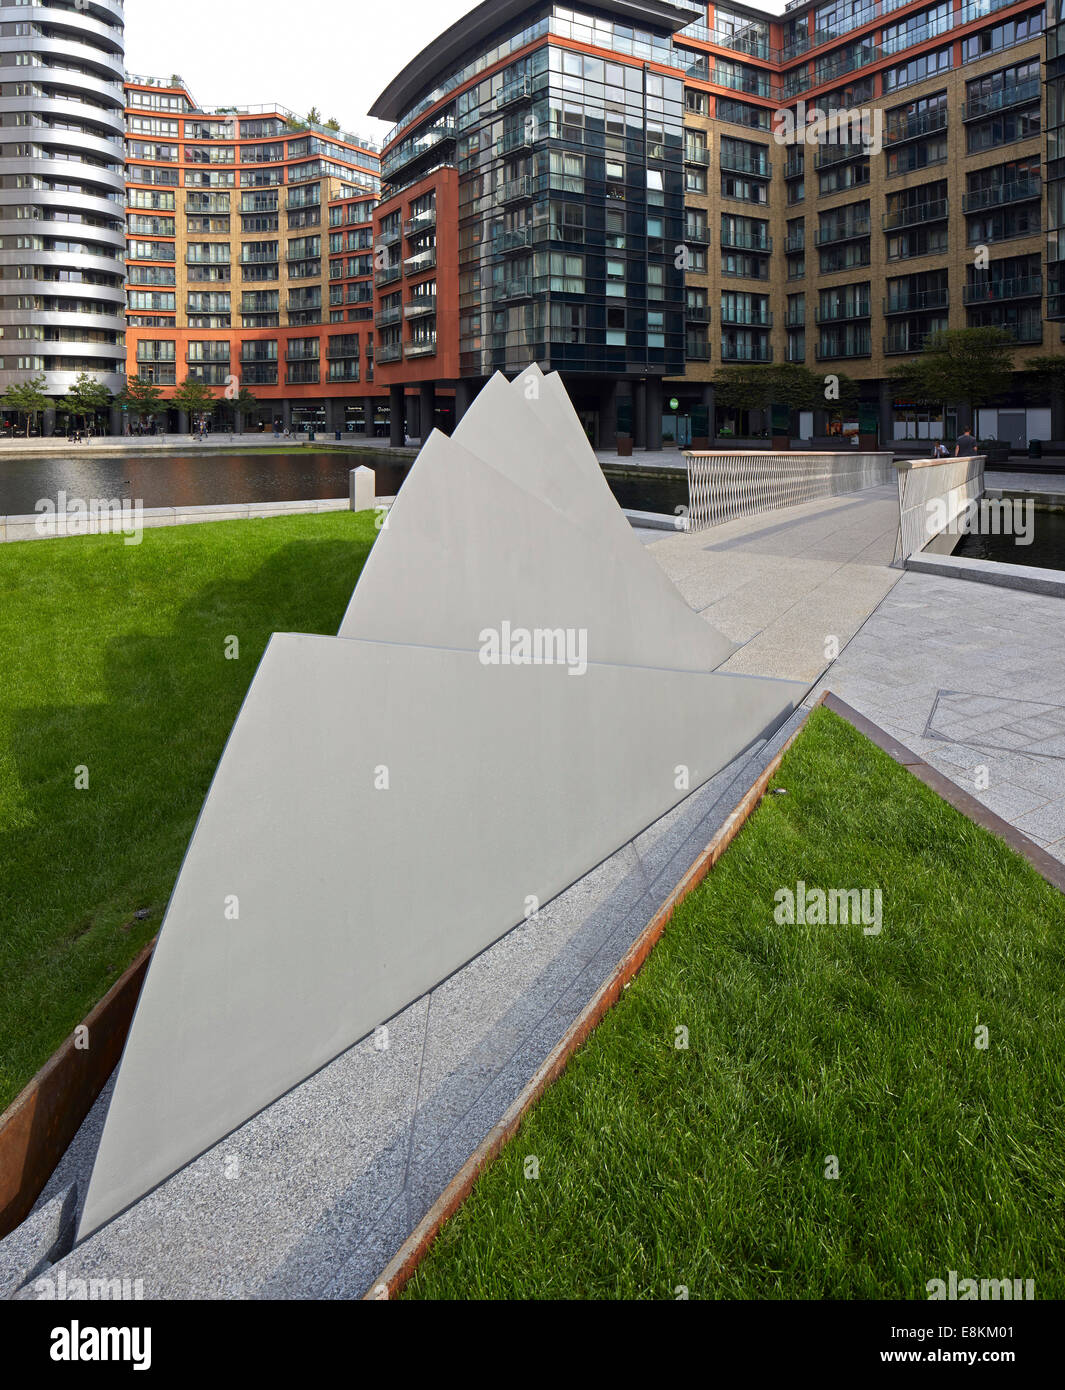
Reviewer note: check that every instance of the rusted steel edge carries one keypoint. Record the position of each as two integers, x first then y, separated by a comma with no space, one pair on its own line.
1044,864
40,1123
414,1249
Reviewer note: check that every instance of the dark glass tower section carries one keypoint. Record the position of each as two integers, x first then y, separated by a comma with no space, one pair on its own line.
1055,166
571,219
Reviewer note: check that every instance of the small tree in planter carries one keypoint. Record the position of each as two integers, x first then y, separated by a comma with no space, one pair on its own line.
196,399
142,398
27,398
84,399
973,366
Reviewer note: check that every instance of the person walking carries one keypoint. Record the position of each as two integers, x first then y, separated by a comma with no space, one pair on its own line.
966,445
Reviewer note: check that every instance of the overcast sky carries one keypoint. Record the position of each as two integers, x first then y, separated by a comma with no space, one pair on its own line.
333,54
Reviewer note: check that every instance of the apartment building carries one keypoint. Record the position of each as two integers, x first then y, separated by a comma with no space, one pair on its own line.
608,189
248,240
62,241
621,203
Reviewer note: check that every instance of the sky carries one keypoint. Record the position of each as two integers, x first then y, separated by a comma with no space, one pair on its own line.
337,55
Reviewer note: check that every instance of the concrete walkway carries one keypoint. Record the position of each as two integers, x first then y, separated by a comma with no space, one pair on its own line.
793,586
972,678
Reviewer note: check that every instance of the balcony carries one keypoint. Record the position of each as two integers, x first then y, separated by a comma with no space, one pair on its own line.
696,234
388,276
697,155
896,344
513,291
934,211
697,313
423,261
421,306
387,317
991,291
423,348
844,313
746,352
392,353
853,231
513,92
1018,94
917,302
913,127
414,149
796,241
421,223
741,164
747,318
389,238
824,354
518,190
508,242
838,154
516,140
697,350
745,241
794,168
1022,191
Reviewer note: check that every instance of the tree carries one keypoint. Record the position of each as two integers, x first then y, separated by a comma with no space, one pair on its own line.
787,383
85,398
744,388
141,398
242,404
27,398
314,116
973,366
333,124
1044,374
195,398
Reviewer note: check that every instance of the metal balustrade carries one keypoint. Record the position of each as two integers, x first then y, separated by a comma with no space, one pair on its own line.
723,487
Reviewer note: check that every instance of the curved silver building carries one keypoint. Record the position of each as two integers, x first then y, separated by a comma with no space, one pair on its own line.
62,193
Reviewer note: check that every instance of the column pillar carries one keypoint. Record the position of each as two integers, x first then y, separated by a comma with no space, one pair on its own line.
1057,413
608,416
654,414
183,422
48,422
465,391
116,421
887,415
427,409
710,406
965,417
286,414
367,416
397,402
639,415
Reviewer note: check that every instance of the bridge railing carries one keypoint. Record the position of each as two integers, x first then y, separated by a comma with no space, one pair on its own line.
723,487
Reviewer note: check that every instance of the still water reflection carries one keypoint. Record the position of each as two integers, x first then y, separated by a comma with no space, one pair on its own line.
191,480
203,479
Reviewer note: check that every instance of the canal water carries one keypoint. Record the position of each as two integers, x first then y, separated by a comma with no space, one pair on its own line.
1047,550
205,479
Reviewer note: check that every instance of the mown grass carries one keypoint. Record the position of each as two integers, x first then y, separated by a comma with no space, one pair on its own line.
705,1169
112,658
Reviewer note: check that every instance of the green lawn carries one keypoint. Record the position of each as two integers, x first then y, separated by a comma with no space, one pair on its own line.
706,1169
113,659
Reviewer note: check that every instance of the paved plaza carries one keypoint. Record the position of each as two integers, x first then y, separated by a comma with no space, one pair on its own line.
969,676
